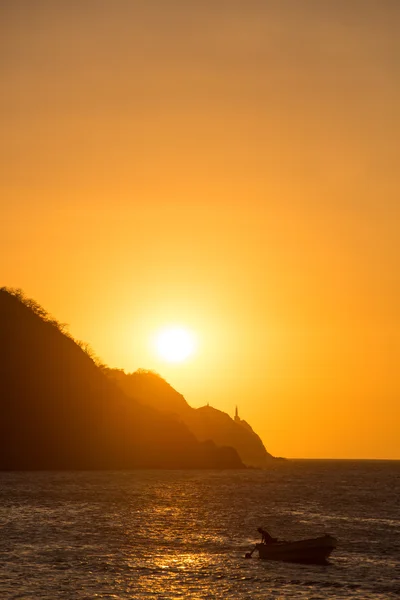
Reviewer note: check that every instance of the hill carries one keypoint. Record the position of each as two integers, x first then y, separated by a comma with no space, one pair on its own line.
60,411
206,423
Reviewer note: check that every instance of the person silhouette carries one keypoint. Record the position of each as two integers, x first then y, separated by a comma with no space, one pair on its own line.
266,538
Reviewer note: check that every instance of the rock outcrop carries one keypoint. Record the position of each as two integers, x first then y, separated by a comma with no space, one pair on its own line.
206,423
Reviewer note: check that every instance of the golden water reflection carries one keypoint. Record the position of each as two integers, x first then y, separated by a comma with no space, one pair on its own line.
181,561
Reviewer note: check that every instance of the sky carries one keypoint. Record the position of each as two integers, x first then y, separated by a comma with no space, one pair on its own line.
228,167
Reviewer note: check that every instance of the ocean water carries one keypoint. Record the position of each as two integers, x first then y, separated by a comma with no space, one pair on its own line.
184,534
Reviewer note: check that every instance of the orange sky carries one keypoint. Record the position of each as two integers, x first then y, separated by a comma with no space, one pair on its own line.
230,166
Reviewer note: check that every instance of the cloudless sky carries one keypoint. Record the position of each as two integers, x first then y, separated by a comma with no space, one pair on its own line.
228,166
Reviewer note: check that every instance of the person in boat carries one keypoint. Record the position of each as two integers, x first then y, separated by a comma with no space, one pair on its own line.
266,538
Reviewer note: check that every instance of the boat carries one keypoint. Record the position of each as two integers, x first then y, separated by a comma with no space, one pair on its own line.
310,551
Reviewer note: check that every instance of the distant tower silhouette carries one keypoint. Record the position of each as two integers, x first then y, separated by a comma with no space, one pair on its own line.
237,414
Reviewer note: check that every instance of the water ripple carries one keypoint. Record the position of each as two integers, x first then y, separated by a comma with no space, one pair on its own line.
182,534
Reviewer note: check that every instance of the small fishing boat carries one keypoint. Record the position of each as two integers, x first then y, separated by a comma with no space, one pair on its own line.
311,551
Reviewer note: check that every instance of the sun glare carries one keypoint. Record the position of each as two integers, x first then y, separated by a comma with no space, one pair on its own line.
175,344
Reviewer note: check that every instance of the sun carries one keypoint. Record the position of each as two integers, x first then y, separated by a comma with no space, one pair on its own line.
175,344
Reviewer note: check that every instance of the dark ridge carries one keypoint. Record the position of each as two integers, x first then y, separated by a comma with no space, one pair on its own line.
205,423
60,411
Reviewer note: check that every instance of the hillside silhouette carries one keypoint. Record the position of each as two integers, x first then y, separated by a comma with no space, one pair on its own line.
206,423
59,410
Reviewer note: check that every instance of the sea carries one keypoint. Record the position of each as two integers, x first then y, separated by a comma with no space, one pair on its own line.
184,534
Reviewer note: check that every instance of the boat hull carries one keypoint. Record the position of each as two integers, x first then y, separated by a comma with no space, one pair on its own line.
314,551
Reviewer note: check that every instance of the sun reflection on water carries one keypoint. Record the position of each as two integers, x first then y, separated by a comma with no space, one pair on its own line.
181,561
